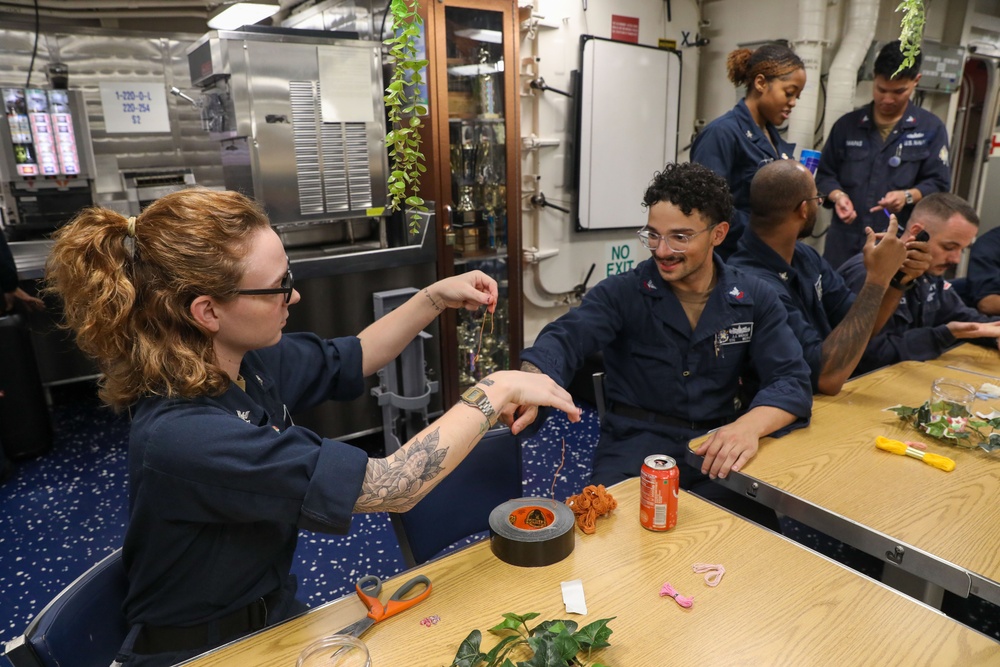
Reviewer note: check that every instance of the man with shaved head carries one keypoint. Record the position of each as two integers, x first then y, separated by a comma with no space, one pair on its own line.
930,317
832,324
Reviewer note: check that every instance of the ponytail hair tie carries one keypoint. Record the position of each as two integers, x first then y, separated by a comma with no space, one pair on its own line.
130,237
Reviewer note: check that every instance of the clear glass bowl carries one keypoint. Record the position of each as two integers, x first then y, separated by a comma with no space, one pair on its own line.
335,651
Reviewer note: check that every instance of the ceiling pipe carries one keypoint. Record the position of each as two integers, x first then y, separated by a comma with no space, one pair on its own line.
809,47
843,79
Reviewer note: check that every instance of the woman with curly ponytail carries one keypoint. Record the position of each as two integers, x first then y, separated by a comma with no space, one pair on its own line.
183,308
738,143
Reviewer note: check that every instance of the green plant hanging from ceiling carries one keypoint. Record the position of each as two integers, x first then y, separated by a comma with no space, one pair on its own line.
404,108
911,31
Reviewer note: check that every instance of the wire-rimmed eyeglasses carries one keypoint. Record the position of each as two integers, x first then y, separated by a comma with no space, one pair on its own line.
819,197
676,242
287,287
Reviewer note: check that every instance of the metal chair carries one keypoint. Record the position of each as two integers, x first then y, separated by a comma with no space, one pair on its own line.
460,505
83,626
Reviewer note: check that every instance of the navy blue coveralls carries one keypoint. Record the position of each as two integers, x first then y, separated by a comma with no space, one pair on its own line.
219,487
984,267
655,363
856,161
918,328
815,296
734,147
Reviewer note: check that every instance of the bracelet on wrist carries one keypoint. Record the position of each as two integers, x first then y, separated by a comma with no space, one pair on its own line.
903,287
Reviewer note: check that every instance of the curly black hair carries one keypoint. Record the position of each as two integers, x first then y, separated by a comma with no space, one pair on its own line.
690,186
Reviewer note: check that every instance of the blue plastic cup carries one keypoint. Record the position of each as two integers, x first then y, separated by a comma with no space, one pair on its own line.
810,159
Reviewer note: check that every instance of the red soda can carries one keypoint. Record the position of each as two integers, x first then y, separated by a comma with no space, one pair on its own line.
659,488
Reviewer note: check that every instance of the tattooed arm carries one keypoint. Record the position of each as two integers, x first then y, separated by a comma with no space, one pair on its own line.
843,348
397,482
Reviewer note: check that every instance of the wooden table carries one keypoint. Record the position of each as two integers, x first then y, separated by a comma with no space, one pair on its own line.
981,364
778,603
941,527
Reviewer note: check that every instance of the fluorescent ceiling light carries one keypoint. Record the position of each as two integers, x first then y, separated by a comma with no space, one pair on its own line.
238,14
481,35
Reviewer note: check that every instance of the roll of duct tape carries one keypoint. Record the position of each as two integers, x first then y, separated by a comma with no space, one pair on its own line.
532,532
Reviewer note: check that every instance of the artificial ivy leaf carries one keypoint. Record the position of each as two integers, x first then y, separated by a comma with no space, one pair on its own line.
555,627
414,201
514,621
468,653
902,410
492,656
546,653
595,635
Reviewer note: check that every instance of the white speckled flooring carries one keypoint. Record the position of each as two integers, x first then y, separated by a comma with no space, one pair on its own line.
62,512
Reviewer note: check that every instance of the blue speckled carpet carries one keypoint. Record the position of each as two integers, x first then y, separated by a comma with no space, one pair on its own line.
63,511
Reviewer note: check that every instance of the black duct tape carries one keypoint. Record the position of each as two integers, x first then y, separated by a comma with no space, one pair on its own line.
532,532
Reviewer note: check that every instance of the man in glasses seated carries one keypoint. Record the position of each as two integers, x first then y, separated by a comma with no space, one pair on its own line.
689,346
832,325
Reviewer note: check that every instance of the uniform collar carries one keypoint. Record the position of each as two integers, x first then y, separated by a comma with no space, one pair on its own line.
243,403
753,133
907,122
764,255
727,298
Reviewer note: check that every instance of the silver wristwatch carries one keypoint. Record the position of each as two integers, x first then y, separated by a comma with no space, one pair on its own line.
908,196
476,397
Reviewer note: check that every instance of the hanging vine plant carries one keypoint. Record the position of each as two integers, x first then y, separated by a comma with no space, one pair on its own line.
404,108
911,31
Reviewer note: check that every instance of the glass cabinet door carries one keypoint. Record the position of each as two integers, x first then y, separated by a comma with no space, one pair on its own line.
478,48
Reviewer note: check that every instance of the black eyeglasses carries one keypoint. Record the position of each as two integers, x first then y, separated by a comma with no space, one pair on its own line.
287,286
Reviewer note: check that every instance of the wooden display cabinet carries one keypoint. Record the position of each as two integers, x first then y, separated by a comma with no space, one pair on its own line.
471,142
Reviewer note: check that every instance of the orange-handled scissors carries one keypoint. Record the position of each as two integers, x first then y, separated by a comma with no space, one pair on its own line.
369,589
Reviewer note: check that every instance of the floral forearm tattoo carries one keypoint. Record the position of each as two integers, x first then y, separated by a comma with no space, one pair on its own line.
394,483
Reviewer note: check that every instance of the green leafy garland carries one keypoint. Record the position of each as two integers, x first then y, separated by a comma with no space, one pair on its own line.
551,643
952,423
403,137
911,31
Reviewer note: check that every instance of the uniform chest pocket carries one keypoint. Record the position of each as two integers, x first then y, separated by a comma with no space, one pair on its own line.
910,159
655,357
855,171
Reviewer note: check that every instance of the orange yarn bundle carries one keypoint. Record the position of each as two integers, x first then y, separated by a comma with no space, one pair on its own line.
592,502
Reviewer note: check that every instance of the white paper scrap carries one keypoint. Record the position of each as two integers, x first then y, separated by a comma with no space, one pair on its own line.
573,597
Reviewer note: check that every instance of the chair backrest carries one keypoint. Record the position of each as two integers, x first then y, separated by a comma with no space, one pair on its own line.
460,505
83,626
599,401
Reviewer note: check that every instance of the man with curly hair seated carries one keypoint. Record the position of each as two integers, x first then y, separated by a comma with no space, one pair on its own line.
689,346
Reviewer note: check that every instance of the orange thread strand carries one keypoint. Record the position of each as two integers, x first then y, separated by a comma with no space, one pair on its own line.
589,504
482,328
562,461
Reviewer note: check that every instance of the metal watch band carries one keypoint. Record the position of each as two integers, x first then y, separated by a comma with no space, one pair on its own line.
476,397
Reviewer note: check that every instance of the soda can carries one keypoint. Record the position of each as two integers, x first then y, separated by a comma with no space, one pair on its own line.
659,487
